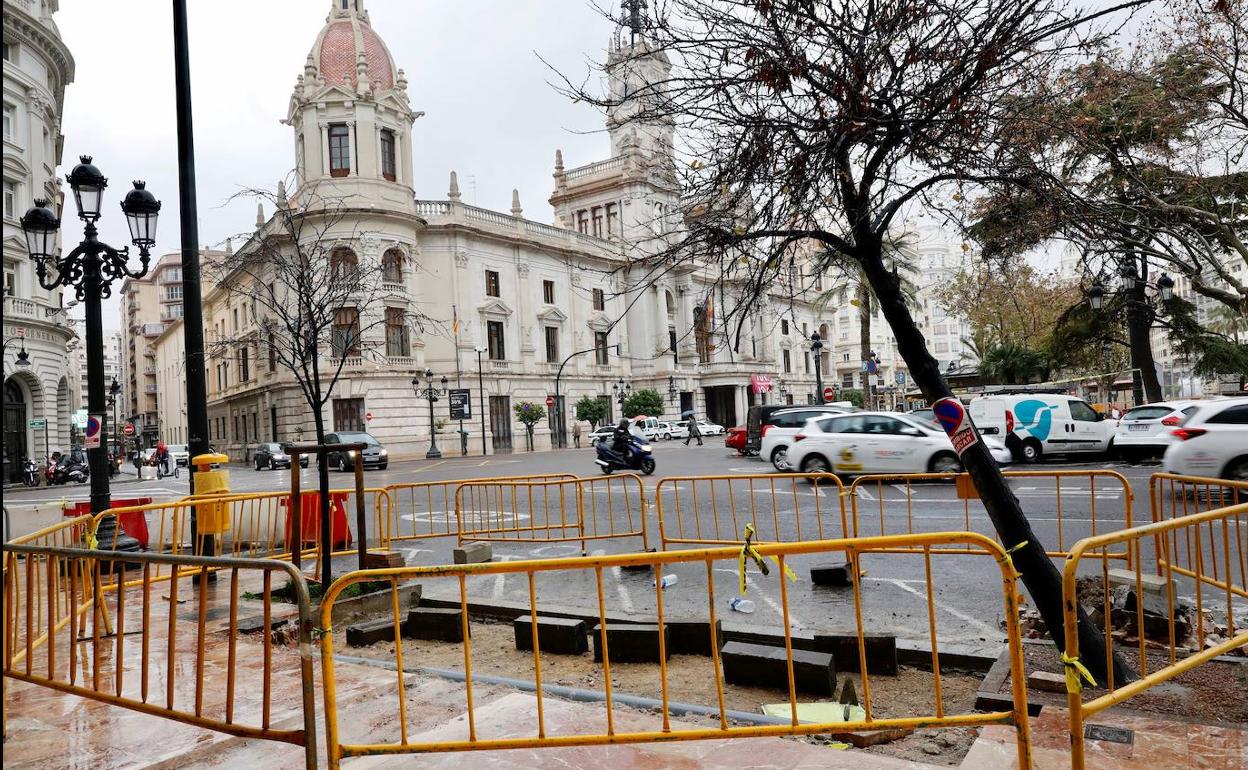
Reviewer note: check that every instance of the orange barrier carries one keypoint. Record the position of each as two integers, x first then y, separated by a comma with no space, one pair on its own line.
698,565
426,509
706,510
1081,499
565,510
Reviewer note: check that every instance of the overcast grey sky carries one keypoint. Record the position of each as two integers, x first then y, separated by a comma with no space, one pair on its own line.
471,66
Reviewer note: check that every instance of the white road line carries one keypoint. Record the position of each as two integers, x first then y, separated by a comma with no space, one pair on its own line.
863,493
626,600
500,580
968,619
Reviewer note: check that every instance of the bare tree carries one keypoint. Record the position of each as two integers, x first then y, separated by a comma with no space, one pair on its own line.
309,300
811,122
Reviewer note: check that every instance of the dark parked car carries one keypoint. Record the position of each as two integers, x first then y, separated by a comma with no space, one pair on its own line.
273,456
375,455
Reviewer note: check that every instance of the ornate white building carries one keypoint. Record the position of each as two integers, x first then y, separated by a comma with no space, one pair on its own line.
37,67
527,295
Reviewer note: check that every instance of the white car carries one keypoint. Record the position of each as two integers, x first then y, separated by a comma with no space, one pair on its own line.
672,430
1212,442
710,428
878,442
1147,430
781,426
179,454
602,433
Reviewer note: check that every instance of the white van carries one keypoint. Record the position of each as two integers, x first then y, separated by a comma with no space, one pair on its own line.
1035,424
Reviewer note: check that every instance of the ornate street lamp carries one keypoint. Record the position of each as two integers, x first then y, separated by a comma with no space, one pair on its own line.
90,270
672,392
1096,295
622,391
816,345
1165,288
431,394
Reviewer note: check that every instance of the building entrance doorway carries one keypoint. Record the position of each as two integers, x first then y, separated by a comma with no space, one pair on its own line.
721,405
500,423
15,449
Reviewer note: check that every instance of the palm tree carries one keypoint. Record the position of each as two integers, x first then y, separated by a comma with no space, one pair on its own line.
1011,364
899,255
1228,321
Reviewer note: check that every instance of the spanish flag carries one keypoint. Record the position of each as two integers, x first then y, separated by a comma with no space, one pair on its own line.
455,322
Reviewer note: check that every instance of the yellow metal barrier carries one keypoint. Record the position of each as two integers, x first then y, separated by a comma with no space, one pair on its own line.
85,657
1172,495
1185,551
713,510
700,562
426,509
873,512
566,510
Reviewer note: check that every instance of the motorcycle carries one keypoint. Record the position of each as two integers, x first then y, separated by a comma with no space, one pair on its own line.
71,469
30,473
635,457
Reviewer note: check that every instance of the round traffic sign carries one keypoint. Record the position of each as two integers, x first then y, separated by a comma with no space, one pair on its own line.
829,393
368,416
550,401
129,429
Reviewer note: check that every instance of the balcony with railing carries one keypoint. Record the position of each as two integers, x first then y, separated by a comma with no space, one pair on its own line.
153,329
150,371
150,389
454,212
595,169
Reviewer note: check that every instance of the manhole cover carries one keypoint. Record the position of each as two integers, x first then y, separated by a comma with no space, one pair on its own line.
1109,734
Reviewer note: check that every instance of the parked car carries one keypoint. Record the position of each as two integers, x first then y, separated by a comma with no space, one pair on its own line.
180,454
759,417
1213,441
1146,431
781,426
710,428
272,455
375,455
878,442
735,439
601,433
674,430
1034,423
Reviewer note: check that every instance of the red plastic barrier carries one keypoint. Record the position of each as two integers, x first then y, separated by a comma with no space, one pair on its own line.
310,509
133,523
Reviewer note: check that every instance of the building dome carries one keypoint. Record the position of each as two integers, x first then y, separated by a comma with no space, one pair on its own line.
338,48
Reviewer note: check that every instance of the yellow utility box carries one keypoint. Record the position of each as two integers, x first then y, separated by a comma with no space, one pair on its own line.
211,518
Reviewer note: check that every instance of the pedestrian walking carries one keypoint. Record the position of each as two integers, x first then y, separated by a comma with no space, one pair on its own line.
576,434
694,432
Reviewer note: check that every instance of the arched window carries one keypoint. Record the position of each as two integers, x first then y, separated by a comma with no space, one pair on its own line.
671,303
343,263
392,266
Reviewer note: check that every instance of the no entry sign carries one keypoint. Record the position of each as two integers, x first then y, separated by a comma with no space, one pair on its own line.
829,394
129,429
550,401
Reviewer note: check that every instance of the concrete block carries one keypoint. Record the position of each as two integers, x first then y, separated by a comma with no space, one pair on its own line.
370,632
860,739
383,559
1043,680
757,665
835,575
1149,583
256,624
881,650
737,631
631,642
473,553
436,623
689,637
564,636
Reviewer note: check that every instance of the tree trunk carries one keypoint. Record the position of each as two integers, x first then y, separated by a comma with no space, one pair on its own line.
864,342
1139,335
1039,575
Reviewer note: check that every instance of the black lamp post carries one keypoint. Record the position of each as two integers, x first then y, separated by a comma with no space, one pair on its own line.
1140,314
816,345
672,392
90,270
622,391
114,390
431,394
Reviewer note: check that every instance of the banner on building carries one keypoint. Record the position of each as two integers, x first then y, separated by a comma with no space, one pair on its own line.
761,383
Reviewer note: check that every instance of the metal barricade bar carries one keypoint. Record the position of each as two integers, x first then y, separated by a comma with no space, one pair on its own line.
74,573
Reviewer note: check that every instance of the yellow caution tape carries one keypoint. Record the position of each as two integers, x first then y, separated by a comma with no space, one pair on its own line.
92,543
1075,671
748,549
1009,561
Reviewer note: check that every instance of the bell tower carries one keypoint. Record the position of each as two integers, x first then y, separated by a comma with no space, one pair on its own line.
350,113
637,72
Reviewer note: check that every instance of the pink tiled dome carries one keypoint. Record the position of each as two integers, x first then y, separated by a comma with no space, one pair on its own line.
337,48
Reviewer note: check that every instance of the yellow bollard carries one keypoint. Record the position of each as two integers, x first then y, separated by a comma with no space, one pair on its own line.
212,518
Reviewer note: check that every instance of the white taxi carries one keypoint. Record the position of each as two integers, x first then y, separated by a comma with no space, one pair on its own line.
878,442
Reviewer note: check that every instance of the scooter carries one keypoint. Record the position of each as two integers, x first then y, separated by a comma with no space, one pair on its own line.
71,471
636,456
30,473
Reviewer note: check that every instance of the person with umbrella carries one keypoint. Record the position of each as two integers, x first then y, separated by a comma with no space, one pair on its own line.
694,431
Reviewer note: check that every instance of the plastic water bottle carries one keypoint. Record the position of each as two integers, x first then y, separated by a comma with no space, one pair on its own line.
667,581
737,604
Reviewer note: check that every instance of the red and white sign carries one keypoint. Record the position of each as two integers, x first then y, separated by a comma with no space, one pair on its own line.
91,436
761,383
368,416
550,401
829,394
952,417
129,429
21,331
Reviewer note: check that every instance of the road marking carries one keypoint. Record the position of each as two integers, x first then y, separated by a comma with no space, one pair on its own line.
762,595
500,580
904,585
863,493
626,599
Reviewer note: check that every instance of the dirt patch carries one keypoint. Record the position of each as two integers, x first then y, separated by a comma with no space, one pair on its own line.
1214,693
690,679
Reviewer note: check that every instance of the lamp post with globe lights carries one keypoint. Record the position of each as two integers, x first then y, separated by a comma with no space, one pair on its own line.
431,394
1141,310
90,270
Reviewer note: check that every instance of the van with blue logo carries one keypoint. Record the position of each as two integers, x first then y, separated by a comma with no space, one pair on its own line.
1034,424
